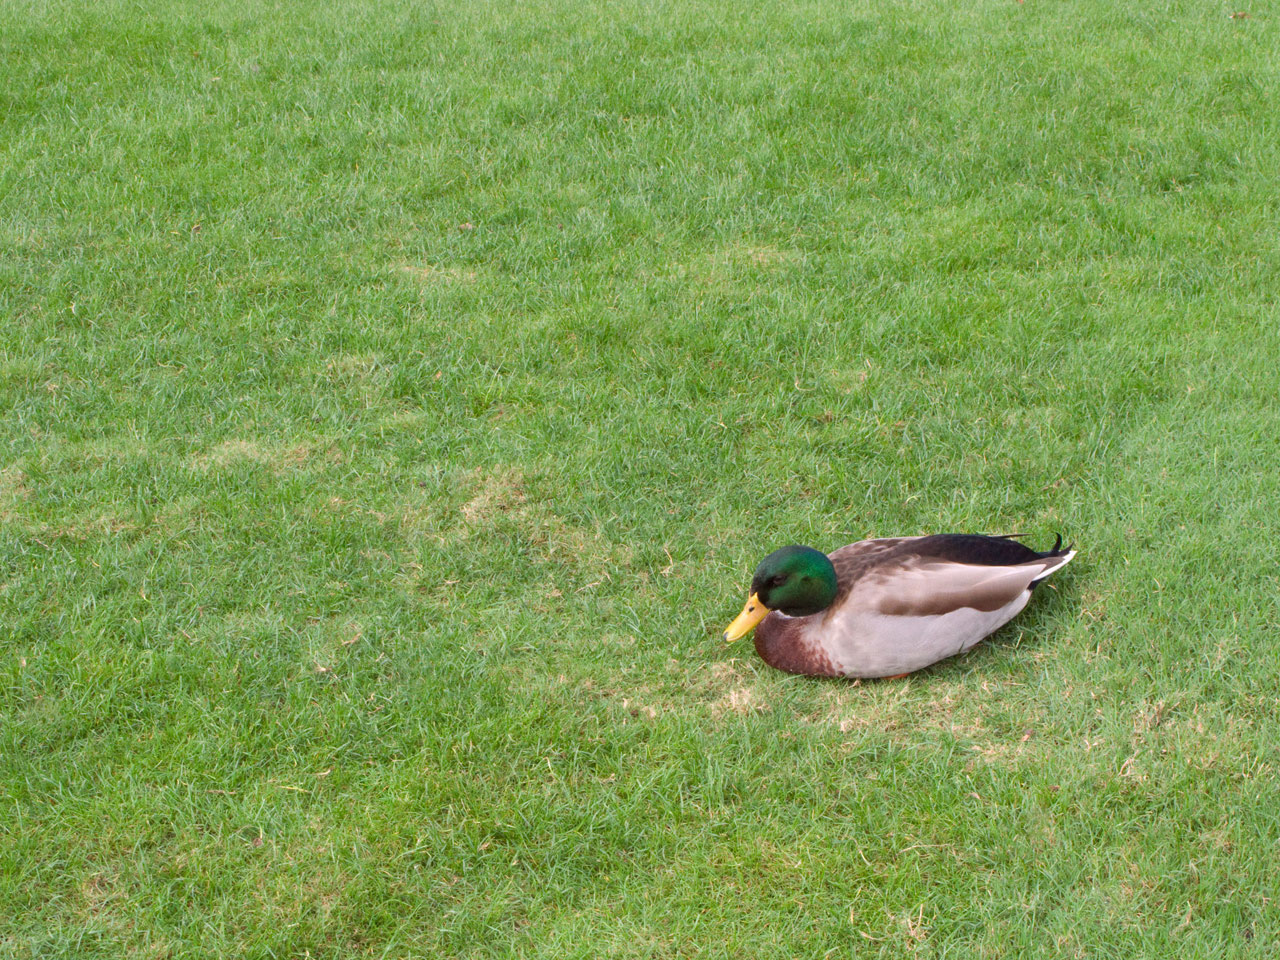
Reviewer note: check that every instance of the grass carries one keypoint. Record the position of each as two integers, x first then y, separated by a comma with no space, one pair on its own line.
395,397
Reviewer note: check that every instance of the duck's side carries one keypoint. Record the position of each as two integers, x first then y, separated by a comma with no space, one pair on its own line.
905,603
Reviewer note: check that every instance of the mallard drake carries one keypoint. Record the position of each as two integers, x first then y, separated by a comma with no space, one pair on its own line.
888,607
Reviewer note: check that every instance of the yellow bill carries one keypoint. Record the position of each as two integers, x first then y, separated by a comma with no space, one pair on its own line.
751,614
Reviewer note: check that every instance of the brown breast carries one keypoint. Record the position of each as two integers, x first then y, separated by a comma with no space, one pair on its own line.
782,642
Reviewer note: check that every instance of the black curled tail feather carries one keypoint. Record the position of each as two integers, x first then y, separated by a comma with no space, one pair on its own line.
1057,550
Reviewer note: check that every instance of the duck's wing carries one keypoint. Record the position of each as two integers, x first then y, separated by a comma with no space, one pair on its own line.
932,576
855,560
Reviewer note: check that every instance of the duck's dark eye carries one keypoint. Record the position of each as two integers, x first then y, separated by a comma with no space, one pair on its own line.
778,580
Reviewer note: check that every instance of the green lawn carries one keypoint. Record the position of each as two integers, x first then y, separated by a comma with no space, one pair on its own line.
396,397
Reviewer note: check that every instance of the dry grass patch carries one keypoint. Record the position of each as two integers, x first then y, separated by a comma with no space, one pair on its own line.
80,528
729,688
13,491
754,256
489,495
328,640
90,528
281,458
723,267
98,902
229,452
434,274
496,494
891,707
500,496
355,368
638,702
741,701
849,376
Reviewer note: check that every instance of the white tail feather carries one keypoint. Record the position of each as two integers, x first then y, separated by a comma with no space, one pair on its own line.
1057,563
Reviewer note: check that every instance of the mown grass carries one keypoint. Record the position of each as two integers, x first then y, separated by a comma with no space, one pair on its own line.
397,396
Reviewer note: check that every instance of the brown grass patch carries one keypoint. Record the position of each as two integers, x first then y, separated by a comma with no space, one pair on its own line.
355,367
741,701
328,640
229,452
103,525
489,496
753,256
497,494
13,491
896,709
96,903
280,458
436,274
462,508
722,267
84,525
767,256
729,687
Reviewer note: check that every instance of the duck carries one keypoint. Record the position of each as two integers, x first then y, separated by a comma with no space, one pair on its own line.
887,607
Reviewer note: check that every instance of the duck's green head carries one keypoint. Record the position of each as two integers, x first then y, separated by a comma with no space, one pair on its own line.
796,581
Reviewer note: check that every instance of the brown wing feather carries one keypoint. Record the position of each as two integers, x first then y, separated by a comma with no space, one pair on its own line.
929,576
913,588
853,562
